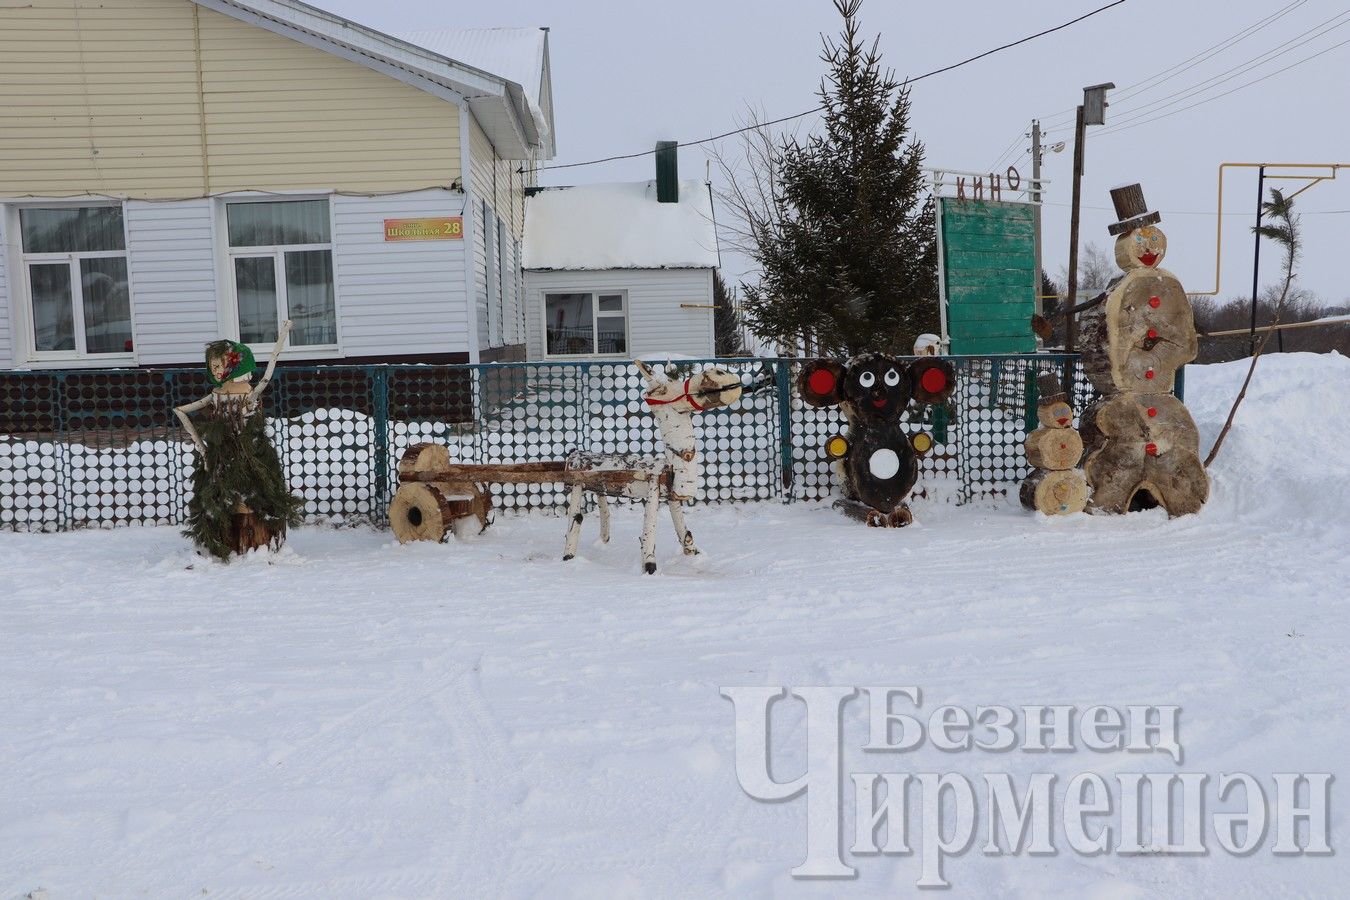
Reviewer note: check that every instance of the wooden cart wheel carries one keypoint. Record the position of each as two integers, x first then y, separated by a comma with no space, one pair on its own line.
422,458
422,512
478,506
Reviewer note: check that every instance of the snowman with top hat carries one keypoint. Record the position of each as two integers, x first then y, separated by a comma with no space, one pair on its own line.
1141,446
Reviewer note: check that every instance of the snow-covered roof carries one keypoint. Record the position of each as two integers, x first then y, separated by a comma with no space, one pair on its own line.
502,105
619,226
516,54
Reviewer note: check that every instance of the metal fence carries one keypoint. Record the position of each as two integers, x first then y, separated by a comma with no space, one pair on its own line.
98,448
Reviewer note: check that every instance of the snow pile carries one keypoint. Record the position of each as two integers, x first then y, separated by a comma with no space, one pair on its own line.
619,226
1287,457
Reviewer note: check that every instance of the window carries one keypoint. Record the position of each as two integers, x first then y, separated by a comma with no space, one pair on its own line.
75,266
281,261
586,324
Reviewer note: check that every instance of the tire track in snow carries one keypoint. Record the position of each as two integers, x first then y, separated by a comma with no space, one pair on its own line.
203,816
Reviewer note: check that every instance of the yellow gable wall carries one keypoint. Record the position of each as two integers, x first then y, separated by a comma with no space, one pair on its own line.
114,97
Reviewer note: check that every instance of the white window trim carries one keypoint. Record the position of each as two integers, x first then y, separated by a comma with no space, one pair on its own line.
595,313
225,255
23,341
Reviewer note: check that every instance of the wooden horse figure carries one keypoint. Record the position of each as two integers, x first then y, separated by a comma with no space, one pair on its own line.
676,475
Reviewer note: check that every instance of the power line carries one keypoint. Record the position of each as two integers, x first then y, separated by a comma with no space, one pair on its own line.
905,83
1137,112
1135,124
1201,212
1138,87
1006,150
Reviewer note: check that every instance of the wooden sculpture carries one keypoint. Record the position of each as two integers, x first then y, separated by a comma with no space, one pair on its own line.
239,496
437,495
1057,487
1141,443
876,460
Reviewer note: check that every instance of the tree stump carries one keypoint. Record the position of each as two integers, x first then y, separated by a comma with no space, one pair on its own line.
1055,493
1140,336
1053,448
1143,451
248,532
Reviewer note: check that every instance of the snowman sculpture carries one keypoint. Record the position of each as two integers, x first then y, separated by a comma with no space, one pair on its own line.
1140,443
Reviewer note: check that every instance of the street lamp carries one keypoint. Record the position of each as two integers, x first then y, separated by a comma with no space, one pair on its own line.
1091,112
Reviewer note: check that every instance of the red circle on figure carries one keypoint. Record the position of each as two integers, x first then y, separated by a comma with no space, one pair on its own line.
1148,374
1152,411
821,381
1153,333
1155,302
1151,449
934,381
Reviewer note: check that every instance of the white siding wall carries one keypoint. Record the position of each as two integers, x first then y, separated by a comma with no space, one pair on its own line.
480,279
171,257
513,315
398,297
6,311
656,322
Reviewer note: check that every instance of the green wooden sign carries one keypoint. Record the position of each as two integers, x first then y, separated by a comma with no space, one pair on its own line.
988,275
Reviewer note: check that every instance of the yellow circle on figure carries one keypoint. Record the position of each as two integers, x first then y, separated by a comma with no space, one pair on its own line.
922,442
836,446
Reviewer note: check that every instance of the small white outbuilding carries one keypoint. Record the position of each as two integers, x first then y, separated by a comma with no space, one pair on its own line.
613,271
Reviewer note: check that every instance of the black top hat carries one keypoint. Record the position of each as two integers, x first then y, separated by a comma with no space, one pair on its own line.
1131,210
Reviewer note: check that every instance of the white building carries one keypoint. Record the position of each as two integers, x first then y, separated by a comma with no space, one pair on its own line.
612,272
177,171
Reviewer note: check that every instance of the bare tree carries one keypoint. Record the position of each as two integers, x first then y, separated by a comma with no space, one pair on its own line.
1096,269
1285,232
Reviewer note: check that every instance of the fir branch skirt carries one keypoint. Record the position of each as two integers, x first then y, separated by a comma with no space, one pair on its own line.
239,466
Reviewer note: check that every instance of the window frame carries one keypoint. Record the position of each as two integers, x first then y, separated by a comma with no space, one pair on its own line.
595,315
21,289
229,309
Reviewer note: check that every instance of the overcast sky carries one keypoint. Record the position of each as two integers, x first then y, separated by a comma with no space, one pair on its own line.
628,74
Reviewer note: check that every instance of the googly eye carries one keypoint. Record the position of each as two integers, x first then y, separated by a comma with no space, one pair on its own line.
867,379
892,378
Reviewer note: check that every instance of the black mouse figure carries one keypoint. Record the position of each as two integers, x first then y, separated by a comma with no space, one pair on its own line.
876,459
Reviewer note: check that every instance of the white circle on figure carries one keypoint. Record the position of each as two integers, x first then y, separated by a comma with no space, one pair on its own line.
883,464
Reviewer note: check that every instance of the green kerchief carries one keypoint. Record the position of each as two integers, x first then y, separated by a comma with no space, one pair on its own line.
238,355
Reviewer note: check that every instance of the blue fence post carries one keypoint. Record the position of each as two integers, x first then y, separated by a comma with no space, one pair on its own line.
783,386
379,383
65,506
1031,395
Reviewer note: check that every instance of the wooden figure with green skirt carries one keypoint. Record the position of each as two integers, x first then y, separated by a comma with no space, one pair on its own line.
240,500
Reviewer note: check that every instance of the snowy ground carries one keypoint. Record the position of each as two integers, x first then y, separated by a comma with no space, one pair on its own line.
352,718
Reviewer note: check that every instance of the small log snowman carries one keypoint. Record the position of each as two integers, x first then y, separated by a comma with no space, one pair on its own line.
1142,447
1057,487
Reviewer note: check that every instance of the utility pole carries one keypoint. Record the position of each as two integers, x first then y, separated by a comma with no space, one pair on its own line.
1092,111
1036,209
1071,289
1256,255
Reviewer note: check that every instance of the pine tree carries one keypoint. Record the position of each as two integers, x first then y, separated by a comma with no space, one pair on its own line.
726,318
849,263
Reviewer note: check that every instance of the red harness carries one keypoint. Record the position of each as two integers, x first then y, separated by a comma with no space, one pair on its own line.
684,396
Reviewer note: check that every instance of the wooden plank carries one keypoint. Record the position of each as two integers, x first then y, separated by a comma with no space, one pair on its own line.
1015,315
